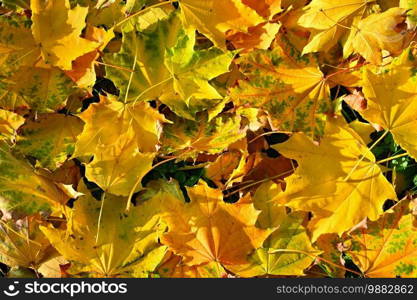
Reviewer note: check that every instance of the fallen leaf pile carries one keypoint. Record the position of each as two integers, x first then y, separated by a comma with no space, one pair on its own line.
208,138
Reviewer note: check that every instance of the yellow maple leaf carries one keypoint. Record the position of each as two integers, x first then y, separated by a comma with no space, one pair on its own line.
25,80
329,20
375,33
338,180
388,246
57,29
289,87
116,244
186,138
50,139
288,250
174,72
138,121
120,168
23,189
214,18
22,244
173,267
208,229
392,102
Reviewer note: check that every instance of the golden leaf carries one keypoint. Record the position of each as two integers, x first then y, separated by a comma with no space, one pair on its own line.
387,247
289,87
208,229
391,95
288,250
214,18
57,29
116,244
346,185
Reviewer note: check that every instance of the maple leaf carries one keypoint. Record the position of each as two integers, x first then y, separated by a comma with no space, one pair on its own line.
22,189
288,250
174,267
386,247
215,18
118,169
351,185
192,70
329,20
375,33
83,68
289,87
22,244
208,229
188,138
57,29
173,71
50,139
145,70
117,244
44,90
392,101
24,79
53,267
137,121
17,45
125,154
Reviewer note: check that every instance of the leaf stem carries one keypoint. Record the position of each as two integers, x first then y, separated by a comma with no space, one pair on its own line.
131,75
149,89
113,66
103,196
391,158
